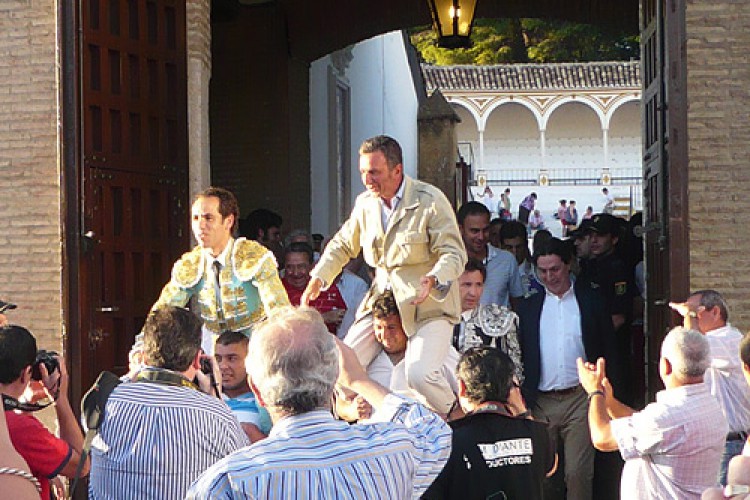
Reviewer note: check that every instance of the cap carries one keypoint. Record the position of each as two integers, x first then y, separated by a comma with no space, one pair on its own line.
583,228
606,224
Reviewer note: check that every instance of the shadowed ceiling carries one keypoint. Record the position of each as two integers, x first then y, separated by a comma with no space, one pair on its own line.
318,27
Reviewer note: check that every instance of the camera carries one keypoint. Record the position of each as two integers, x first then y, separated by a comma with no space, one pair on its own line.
206,366
49,359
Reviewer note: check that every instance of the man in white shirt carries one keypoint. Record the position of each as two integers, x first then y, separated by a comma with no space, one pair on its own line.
388,368
565,322
707,312
672,448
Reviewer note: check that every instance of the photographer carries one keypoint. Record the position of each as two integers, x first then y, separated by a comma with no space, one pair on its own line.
498,452
162,430
46,454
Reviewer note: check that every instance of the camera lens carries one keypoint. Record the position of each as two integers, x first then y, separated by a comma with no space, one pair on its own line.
49,358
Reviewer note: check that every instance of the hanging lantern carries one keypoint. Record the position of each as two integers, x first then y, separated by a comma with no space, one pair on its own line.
452,19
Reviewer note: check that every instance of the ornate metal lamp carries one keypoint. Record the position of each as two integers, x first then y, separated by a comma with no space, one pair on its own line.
452,19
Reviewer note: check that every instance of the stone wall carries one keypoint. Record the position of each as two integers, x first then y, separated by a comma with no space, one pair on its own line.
30,238
438,145
718,33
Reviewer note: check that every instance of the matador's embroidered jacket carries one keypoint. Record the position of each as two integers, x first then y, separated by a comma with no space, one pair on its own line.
250,286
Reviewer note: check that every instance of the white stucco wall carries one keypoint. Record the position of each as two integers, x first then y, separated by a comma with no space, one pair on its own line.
383,101
319,155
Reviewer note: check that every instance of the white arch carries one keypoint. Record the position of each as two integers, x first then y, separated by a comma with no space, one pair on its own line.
523,101
617,103
468,106
588,101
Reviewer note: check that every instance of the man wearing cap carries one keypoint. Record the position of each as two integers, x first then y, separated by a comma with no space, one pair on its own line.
582,242
607,272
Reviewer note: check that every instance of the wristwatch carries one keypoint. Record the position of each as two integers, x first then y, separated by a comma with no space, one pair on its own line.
731,490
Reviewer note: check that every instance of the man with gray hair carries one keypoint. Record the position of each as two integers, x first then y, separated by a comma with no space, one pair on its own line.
294,364
672,448
707,312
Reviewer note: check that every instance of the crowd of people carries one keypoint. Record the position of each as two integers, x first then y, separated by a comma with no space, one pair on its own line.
420,352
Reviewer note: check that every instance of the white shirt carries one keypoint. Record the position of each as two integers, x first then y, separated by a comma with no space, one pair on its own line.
724,377
208,337
221,258
673,447
385,212
560,341
384,372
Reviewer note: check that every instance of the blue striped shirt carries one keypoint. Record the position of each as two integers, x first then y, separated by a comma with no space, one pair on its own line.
313,456
156,439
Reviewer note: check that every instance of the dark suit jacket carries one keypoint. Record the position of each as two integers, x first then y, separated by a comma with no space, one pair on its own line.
597,331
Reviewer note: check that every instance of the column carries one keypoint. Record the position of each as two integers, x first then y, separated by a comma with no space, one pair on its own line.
605,142
198,17
481,151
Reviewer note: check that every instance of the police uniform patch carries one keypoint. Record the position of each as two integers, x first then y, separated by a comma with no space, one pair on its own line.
621,287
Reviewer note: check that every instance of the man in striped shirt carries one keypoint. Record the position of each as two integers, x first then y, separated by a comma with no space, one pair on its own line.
161,430
294,364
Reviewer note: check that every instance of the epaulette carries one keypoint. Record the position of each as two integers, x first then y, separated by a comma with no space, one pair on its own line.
248,257
188,271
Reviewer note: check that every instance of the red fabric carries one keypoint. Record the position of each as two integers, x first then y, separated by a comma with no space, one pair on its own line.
328,300
45,454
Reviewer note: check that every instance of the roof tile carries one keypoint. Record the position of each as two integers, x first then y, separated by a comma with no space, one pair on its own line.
530,77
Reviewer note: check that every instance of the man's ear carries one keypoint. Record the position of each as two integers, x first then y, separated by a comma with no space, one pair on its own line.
25,377
196,363
399,169
230,220
461,389
667,366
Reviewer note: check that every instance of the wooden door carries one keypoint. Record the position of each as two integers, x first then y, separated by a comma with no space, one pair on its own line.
664,119
135,171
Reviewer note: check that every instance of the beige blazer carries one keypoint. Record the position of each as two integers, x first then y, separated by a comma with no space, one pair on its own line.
422,238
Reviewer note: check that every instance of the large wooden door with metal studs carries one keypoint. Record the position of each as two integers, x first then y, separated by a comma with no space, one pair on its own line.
664,121
135,171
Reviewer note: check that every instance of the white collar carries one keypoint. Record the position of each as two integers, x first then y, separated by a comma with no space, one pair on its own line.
222,257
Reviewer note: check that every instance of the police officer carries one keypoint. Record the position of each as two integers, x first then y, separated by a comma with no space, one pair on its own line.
606,271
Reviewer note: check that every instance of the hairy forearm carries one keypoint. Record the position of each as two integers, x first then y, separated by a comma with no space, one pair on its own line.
616,409
599,425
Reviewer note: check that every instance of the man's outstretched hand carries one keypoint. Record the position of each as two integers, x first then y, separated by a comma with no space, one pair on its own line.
312,290
427,283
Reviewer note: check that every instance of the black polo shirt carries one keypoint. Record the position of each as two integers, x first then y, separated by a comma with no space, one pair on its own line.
495,456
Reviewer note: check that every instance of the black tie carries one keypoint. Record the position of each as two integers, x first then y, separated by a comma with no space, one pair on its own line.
217,284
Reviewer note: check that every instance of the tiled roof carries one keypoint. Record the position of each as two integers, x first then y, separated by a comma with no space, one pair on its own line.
531,77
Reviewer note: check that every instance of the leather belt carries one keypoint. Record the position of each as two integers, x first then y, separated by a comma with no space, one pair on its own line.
562,392
737,436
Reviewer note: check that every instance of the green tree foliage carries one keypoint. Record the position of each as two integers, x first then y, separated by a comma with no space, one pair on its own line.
496,41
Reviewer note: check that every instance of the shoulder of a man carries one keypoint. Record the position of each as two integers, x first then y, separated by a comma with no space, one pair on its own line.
148,395
424,191
525,306
45,453
251,259
188,270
